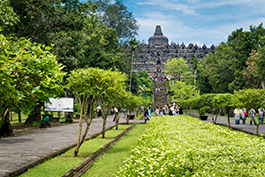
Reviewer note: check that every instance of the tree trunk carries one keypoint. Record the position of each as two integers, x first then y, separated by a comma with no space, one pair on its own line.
104,126
86,100
216,115
35,115
262,84
228,113
117,117
5,126
212,114
10,114
19,115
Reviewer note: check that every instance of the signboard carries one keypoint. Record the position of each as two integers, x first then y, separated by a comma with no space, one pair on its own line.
59,105
144,95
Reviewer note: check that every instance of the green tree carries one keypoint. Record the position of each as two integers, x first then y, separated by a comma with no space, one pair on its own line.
226,100
8,18
112,88
182,90
177,67
116,16
207,100
85,84
194,63
250,98
256,63
29,74
91,84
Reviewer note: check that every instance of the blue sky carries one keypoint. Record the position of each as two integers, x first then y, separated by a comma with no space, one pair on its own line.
195,21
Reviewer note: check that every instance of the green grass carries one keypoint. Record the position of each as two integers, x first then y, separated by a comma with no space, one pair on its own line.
59,165
139,116
110,162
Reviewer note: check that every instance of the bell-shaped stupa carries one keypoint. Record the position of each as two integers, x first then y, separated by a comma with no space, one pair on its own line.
158,39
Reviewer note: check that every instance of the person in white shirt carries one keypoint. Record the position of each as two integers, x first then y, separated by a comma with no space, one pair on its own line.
99,110
237,115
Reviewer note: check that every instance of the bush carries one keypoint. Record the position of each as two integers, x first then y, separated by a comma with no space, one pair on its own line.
202,111
189,147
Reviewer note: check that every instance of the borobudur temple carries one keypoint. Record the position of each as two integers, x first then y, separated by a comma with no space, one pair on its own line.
151,57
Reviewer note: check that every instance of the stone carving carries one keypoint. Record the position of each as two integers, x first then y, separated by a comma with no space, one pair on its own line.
154,55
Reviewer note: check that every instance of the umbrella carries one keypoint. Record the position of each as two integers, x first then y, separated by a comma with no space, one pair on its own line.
174,101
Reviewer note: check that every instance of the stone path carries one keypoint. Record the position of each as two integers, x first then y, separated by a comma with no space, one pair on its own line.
18,152
245,127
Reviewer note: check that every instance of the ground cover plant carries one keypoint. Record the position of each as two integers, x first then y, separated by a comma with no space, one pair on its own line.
184,146
59,165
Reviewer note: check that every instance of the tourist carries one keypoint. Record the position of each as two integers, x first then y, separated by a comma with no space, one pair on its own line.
150,112
98,110
180,110
115,113
112,111
237,116
260,117
146,115
157,111
251,114
124,112
173,110
177,109
243,115
161,111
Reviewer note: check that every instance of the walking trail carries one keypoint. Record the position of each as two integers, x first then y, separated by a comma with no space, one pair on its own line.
22,151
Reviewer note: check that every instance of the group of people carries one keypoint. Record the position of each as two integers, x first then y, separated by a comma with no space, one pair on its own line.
242,114
168,110
163,110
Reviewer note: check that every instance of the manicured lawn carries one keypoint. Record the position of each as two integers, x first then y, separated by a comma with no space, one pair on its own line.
110,162
59,165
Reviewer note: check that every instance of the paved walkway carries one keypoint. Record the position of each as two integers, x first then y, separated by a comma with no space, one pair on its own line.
245,127
18,152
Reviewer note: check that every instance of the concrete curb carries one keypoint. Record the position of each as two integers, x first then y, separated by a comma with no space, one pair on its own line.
24,169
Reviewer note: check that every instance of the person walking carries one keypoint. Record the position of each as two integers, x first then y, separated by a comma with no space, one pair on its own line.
146,115
260,117
180,111
124,112
243,115
150,112
251,114
116,112
99,110
237,116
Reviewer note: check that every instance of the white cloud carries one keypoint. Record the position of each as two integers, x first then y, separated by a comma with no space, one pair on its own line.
209,28
167,4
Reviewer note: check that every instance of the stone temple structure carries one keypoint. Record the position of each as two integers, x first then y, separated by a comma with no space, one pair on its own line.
151,57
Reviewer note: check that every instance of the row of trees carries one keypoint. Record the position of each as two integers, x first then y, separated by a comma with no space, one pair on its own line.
247,98
236,64
92,84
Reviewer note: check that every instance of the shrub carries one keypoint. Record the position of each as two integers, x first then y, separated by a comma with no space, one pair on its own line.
189,147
